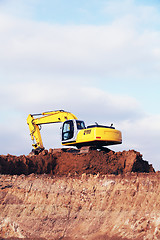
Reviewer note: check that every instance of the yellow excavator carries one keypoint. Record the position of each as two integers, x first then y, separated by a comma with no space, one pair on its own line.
74,131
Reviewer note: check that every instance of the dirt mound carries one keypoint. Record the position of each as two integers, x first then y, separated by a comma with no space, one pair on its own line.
70,161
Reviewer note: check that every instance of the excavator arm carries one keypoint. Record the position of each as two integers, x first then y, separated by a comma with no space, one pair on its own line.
45,118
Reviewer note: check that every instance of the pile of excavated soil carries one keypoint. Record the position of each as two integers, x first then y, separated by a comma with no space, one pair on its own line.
70,161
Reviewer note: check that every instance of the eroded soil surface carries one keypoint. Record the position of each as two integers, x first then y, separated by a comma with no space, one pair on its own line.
62,194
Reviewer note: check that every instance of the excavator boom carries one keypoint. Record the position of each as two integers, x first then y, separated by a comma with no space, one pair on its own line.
45,118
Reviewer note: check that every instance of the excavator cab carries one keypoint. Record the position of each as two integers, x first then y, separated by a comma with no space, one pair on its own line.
70,129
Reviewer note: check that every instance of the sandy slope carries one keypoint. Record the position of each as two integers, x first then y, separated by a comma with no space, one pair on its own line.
86,207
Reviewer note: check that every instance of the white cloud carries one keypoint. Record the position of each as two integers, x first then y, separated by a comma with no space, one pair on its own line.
87,101
137,12
21,9
109,50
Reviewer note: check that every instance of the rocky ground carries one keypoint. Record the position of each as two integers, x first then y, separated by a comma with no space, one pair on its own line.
62,194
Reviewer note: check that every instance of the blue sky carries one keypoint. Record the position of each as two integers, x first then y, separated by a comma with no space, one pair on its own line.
98,59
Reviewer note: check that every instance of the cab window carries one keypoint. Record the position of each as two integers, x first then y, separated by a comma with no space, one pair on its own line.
67,130
80,124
